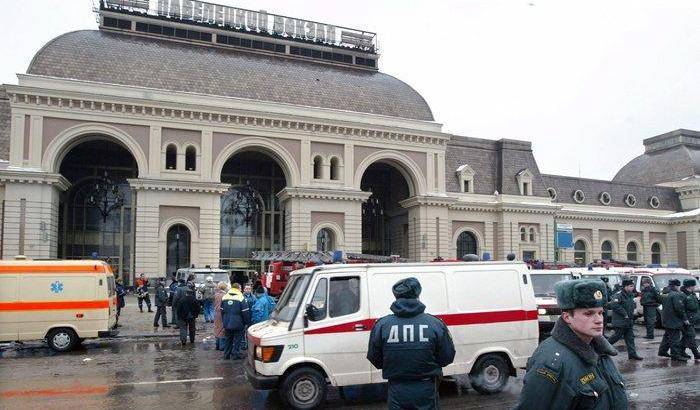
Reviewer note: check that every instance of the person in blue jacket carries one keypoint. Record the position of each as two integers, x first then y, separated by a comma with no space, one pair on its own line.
263,306
410,347
121,292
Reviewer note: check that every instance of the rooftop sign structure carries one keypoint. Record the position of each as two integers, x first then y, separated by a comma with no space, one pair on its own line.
248,21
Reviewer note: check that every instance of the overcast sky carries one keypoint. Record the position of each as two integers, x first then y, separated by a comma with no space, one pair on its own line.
586,81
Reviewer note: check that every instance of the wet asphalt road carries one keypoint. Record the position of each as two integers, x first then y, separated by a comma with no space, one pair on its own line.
159,374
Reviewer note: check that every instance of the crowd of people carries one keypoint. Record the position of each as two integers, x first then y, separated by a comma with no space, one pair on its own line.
224,304
679,315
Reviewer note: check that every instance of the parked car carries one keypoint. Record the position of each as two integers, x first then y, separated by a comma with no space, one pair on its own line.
489,308
543,286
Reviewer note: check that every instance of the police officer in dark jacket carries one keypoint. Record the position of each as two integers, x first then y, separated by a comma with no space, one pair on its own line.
161,300
573,369
650,301
179,293
673,317
121,292
622,305
692,308
187,311
607,296
411,348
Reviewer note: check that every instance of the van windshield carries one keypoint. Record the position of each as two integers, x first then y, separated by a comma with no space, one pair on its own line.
543,285
661,281
291,298
200,278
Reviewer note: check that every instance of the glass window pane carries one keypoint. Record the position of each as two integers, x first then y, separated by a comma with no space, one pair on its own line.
319,298
344,296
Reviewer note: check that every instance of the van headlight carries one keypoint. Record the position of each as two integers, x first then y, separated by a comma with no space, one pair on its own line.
268,354
541,311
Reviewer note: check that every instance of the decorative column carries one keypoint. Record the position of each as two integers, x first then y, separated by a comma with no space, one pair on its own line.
621,245
429,234
595,244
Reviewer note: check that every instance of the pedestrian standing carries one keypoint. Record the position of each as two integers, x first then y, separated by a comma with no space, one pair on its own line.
161,298
250,301
142,292
235,315
179,293
172,289
673,317
607,296
121,292
622,305
650,301
573,368
208,290
264,305
692,306
410,347
219,333
188,308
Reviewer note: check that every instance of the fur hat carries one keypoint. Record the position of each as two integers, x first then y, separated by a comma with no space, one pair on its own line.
627,282
689,282
580,293
408,288
674,282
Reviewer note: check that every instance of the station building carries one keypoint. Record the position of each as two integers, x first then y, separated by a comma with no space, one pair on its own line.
182,133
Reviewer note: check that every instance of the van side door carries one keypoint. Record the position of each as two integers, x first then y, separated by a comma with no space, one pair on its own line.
338,327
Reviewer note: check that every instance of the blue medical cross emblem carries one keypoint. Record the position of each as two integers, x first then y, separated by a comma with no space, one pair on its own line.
57,287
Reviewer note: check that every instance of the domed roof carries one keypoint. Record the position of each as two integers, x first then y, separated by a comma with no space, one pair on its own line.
669,157
125,59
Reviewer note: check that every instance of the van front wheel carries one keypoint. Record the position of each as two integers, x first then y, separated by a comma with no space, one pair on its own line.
304,388
62,339
490,374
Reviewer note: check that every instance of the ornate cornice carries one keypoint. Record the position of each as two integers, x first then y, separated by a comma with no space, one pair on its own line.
428,200
144,184
34,177
320,193
31,98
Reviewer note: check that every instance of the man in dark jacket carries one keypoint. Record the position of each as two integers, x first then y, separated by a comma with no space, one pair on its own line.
187,311
121,292
692,308
161,300
650,301
622,305
235,316
673,317
172,289
179,293
410,347
573,369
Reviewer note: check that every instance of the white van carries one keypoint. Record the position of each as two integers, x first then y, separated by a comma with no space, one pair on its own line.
62,302
548,310
489,308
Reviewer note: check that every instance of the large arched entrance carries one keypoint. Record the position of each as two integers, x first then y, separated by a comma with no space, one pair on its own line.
384,221
251,215
179,243
95,217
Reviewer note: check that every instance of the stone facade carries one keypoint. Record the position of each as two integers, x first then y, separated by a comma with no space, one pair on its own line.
510,207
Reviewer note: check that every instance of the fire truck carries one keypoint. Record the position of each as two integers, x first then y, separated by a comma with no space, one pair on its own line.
281,263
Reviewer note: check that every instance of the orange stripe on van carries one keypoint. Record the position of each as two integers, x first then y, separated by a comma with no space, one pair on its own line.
62,305
97,268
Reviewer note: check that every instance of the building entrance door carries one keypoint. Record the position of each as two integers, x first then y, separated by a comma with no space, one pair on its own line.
178,249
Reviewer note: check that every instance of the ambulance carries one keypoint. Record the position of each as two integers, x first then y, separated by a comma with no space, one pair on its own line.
319,331
62,302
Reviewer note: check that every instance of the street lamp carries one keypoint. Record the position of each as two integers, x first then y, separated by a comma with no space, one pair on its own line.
105,196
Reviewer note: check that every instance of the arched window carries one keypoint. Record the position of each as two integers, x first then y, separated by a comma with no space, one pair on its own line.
318,166
632,252
335,169
466,244
191,158
325,240
178,248
523,234
580,253
532,234
171,157
656,253
606,250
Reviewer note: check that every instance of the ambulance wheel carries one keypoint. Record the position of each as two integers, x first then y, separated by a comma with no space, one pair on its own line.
62,339
490,374
304,388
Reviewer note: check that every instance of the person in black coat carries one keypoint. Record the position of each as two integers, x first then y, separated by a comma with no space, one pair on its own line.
187,311
121,292
410,347
161,300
